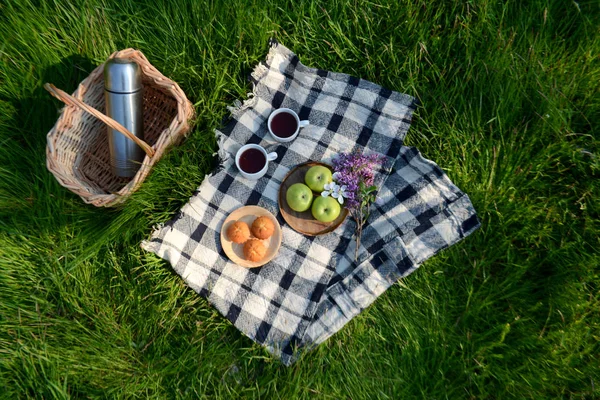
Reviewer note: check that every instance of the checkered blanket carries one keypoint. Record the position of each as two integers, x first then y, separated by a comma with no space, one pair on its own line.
313,286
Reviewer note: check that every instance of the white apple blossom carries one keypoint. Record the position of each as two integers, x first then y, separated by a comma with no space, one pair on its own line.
336,191
330,188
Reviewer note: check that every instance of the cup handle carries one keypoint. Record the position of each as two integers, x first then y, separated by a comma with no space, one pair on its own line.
272,156
304,124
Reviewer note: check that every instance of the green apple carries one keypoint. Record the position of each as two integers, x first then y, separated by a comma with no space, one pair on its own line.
299,196
326,209
317,177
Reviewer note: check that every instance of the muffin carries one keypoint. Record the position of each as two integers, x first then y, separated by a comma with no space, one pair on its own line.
263,227
254,250
238,232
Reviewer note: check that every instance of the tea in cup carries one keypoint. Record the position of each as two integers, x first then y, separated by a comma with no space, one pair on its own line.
284,125
252,161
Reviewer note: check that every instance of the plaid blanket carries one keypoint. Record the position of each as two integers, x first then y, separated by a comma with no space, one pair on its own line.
313,286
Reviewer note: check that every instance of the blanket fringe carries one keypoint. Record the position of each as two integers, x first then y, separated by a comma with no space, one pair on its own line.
221,152
150,245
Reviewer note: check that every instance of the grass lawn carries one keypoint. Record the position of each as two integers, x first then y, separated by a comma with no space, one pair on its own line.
510,107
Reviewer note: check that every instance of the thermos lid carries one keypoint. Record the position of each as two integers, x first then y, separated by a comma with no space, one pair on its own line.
122,76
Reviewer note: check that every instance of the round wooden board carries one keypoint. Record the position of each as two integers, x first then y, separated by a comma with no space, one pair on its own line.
235,251
304,222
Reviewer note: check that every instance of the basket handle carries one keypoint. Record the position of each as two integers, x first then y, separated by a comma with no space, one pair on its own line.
72,101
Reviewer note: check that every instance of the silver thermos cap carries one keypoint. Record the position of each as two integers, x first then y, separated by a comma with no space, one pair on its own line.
124,103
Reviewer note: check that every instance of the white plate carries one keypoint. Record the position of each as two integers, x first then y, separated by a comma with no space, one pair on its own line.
235,251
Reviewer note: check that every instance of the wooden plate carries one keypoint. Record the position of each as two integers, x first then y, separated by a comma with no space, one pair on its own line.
235,251
304,222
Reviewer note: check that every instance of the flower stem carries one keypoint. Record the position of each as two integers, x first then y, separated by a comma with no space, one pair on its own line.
359,226
357,241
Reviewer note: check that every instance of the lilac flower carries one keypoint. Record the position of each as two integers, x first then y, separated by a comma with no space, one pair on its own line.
352,169
354,175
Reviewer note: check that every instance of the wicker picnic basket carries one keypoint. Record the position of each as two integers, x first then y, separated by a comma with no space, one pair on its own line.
77,150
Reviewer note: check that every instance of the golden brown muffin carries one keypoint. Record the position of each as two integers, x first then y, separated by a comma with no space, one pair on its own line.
254,250
263,227
238,232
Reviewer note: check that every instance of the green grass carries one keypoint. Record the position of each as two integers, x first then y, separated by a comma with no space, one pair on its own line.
510,109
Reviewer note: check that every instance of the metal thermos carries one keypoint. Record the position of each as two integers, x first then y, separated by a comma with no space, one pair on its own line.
124,104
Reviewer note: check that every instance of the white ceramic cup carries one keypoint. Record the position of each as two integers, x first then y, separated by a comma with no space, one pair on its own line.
299,124
257,175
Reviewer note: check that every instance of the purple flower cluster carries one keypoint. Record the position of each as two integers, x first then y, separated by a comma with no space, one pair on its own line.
350,170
